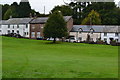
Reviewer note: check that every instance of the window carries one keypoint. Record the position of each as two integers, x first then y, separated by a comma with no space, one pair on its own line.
17,32
17,26
116,34
24,33
33,26
80,30
8,26
26,26
33,35
105,39
0,30
12,31
38,34
91,30
80,38
13,26
8,31
105,34
27,33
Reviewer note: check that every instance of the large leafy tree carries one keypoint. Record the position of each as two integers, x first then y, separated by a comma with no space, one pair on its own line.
55,26
4,9
11,11
93,18
107,10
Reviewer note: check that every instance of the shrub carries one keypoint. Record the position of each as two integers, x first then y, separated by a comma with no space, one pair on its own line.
100,42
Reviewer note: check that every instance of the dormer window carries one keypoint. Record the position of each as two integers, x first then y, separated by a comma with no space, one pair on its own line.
80,30
91,30
105,34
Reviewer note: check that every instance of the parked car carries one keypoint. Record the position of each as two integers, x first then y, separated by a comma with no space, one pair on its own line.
71,39
51,39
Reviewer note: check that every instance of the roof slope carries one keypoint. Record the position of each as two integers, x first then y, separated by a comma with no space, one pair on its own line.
18,21
96,28
44,19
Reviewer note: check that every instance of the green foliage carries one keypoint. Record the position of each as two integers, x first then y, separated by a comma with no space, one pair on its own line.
4,9
65,10
107,10
24,9
55,26
12,11
93,18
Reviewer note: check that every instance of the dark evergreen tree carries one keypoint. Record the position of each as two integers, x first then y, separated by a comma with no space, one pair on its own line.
4,9
24,9
55,26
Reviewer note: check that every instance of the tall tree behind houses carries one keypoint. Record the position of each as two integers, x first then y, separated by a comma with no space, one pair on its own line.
24,9
11,11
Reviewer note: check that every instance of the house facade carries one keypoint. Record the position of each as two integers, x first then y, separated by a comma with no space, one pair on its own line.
95,32
16,25
81,32
110,33
29,27
37,26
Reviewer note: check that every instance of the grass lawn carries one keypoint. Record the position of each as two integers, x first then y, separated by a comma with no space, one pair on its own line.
23,58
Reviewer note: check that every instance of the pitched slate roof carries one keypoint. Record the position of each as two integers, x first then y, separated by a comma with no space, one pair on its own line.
29,20
96,28
2,22
19,20
39,20
16,21
111,29
44,19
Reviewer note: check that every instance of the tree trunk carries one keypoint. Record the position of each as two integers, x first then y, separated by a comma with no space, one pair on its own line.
54,40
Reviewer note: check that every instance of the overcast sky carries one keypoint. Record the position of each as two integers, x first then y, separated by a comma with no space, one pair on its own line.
38,5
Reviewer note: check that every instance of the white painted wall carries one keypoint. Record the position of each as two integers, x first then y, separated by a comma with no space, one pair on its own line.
83,35
119,38
23,28
110,35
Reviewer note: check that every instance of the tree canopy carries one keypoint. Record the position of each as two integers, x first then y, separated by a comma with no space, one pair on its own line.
18,10
65,10
93,18
55,26
108,11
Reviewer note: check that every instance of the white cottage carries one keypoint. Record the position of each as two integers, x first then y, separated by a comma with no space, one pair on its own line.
110,33
16,25
105,33
81,32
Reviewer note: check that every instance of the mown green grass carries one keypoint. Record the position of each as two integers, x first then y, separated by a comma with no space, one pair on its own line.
23,58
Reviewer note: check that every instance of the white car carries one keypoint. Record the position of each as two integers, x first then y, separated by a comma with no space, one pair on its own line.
71,39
